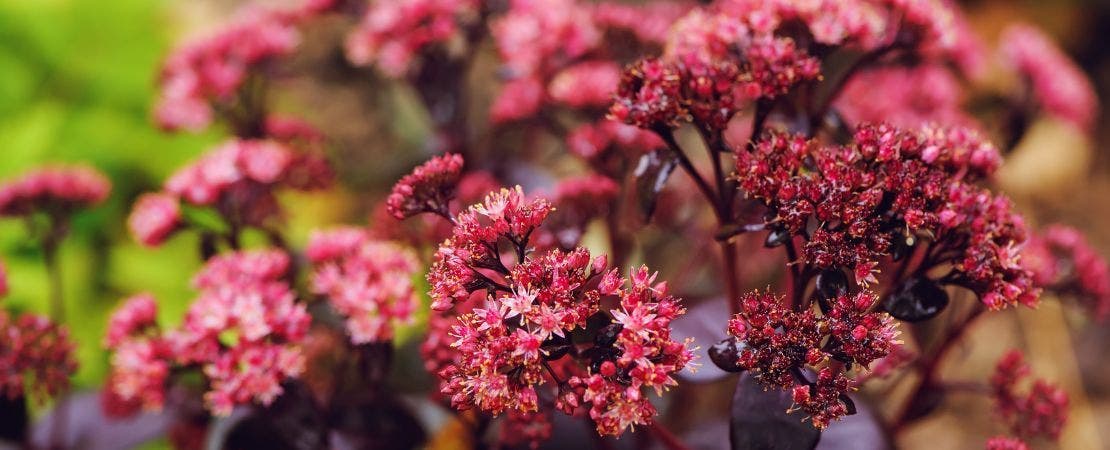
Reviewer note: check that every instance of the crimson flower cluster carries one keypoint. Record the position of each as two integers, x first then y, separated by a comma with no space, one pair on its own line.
429,188
242,332
780,345
503,350
882,194
238,178
367,281
1064,262
1042,411
53,189
714,66
36,357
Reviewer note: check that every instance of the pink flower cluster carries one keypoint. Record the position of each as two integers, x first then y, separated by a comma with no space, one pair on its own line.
551,55
53,189
1006,443
504,215
890,187
642,356
779,344
242,331
154,217
578,200
429,188
600,143
930,26
858,23
520,338
1040,412
36,357
1064,262
238,178
141,359
393,33
1058,85
367,281
893,94
212,70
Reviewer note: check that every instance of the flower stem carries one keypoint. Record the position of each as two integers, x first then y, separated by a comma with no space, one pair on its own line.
666,437
930,366
684,161
50,244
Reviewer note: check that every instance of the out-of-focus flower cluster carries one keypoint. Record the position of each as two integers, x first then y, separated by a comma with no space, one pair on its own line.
1063,262
780,345
242,332
36,357
894,95
429,188
238,178
1006,443
393,33
722,58
367,281
1042,411
1057,84
213,75
889,189
56,190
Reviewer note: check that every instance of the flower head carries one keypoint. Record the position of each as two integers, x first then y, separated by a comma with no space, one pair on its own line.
242,330
212,69
1059,86
60,188
394,33
36,357
367,281
1064,262
1040,412
136,314
508,348
1006,443
154,217
888,190
781,345
428,188
504,216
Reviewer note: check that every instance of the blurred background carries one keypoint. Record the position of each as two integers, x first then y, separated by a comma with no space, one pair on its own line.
77,80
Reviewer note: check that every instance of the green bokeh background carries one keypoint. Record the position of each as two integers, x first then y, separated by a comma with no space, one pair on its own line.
76,82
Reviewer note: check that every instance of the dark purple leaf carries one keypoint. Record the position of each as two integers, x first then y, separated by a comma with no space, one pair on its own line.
705,323
760,421
13,419
860,431
652,172
726,355
918,299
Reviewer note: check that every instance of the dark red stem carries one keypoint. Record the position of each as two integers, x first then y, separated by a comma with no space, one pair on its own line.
666,437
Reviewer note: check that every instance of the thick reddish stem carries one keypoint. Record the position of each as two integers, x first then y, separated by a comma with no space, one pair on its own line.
732,280
930,366
666,437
